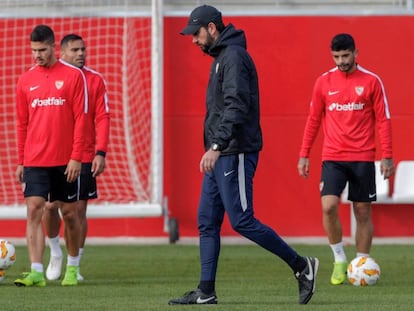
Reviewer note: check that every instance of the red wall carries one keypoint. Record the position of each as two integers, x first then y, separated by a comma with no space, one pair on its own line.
290,52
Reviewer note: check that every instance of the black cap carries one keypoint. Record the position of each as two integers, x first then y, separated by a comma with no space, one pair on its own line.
201,16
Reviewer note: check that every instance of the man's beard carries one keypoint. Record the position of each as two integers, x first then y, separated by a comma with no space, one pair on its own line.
206,47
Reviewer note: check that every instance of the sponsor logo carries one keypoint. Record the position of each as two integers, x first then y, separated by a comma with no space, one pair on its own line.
32,88
228,173
330,93
51,101
371,195
309,275
217,67
346,107
70,197
201,300
90,194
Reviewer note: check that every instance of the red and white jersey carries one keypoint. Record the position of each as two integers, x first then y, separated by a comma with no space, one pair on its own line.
97,124
52,103
350,107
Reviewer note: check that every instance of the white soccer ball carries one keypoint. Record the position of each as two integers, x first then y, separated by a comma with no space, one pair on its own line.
2,275
363,271
7,254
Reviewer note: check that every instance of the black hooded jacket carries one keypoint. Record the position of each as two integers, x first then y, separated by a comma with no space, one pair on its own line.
233,114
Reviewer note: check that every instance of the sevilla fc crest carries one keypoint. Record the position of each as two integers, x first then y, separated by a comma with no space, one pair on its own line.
59,84
359,90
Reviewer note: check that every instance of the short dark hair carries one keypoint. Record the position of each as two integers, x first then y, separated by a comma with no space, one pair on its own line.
343,41
42,33
70,37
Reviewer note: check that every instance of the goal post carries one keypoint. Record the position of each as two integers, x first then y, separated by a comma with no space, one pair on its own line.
124,43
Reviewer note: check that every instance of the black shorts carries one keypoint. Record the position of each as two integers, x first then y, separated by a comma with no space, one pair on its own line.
359,175
87,183
49,183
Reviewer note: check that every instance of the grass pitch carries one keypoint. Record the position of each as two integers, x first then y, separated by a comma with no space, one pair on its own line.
145,277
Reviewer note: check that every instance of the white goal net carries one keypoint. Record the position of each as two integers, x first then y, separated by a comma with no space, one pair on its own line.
123,40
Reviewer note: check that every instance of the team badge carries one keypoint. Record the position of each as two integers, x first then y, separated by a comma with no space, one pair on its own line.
59,84
321,184
359,90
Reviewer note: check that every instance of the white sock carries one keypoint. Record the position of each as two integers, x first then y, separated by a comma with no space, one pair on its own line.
80,254
54,245
73,261
338,251
362,255
37,266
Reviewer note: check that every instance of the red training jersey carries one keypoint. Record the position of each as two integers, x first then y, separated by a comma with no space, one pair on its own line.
97,120
52,103
350,107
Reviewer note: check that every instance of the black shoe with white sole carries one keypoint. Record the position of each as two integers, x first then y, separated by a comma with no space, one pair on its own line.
307,280
195,297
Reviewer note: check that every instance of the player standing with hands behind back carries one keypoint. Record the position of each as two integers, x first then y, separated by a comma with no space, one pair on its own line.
73,51
350,101
232,141
51,107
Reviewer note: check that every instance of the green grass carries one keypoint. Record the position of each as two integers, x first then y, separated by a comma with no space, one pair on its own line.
145,277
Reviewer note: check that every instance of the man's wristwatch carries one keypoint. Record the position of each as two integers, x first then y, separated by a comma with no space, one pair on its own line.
215,147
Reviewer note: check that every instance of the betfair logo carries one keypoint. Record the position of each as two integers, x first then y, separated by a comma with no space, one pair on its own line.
346,107
51,101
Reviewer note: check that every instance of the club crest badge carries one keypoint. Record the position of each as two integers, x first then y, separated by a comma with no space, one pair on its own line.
359,90
59,84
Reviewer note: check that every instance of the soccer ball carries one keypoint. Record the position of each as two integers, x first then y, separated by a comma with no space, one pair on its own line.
2,275
7,254
363,271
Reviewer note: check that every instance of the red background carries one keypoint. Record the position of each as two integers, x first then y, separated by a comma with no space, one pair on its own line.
290,52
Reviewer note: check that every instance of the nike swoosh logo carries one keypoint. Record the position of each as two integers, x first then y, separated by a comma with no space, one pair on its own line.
91,193
201,300
309,275
330,93
32,88
371,195
228,173
70,197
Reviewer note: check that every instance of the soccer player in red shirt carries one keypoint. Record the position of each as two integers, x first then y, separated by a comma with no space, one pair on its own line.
73,51
350,102
51,107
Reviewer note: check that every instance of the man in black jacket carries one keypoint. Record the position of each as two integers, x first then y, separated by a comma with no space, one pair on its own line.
232,140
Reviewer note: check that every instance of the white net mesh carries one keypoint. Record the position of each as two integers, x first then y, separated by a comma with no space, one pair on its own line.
118,40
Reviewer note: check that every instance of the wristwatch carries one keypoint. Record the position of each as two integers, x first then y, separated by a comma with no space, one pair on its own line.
215,147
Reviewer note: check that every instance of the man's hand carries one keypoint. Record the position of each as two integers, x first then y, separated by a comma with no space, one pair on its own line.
208,161
303,167
73,170
98,165
19,173
387,168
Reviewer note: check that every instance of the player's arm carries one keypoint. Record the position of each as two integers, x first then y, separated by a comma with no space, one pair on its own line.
22,110
79,111
383,121
313,123
102,120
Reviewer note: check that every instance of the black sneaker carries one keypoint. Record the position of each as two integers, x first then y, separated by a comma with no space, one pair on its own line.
195,297
307,280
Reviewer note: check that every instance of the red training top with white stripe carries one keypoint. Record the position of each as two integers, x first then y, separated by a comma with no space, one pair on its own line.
51,107
97,124
349,106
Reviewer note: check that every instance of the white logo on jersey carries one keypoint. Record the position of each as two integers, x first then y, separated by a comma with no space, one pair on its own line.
359,90
51,101
59,84
346,107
